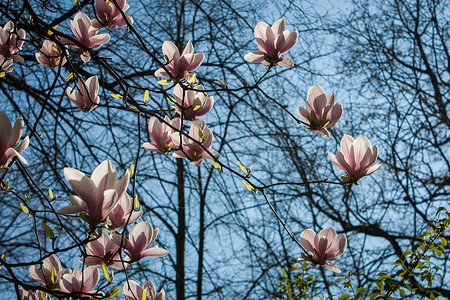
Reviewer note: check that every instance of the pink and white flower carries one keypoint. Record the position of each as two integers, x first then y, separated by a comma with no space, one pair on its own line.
86,34
9,137
321,112
357,158
273,42
161,134
110,15
43,274
11,41
195,104
140,238
120,215
179,66
97,195
86,98
103,250
326,246
50,55
192,150
80,281
133,291
32,295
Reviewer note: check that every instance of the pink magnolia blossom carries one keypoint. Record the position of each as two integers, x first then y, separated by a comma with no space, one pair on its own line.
86,34
321,112
161,133
133,291
192,150
50,55
140,238
11,41
110,15
80,281
9,137
32,295
85,100
102,250
272,43
196,104
324,247
97,195
178,65
120,215
357,158
44,274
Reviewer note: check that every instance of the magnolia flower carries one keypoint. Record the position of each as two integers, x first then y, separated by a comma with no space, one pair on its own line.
195,104
50,273
50,55
323,247
78,281
320,112
110,15
120,215
97,195
9,137
272,43
133,291
179,66
140,238
86,34
103,249
11,41
32,295
161,133
85,100
191,149
358,158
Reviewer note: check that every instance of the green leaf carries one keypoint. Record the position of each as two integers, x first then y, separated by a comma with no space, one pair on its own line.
163,82
54,276
146,96
143,295
24,209
248,186
402,293
243,169
70,76
345,296
216,165
50,193
114,293
193,79
48,231
408,253
131,171
51,32
117,96
136,202
105,271
361,290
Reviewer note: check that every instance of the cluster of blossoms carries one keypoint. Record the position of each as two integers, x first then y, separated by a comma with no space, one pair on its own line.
81,283
102,199
9,138
191,102
11,41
